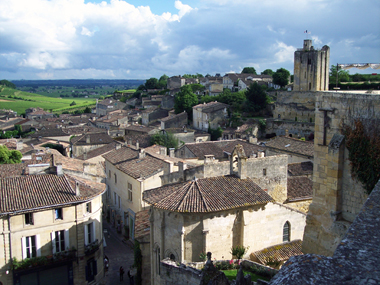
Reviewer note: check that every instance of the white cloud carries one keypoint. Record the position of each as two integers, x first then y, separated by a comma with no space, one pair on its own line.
71,38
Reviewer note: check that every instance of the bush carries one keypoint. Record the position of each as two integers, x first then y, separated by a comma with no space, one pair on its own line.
239,251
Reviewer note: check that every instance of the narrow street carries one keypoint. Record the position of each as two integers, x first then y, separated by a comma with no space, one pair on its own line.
119,254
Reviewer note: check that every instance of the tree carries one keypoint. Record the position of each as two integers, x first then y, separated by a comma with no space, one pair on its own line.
267,72
343,75
257,99
151,83
9,156
163,81
235,99
281,77
73,103
185,100
250,70
7,84
87,110
165,139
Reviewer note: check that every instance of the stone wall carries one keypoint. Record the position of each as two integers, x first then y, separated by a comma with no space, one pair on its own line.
295,128
172,274
337,197
295,104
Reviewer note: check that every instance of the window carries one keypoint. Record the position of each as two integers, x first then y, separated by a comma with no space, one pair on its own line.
31,246
130,192
58,214
88,207
60,240
264,172
91,270
109,174
115,178
89,233
286,232
29,219
118,201
114,198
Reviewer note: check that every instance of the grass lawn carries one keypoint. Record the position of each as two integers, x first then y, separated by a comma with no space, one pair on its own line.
231,275
26,100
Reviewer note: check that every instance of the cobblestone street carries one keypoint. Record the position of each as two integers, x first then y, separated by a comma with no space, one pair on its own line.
119,254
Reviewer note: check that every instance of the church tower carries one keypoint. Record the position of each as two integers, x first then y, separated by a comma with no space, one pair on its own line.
311,68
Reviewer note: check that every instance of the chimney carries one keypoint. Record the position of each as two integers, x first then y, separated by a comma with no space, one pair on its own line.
88,140
252,139
117,146
137,145
181,169
108,131
171,152
209,158
85,155
130,141
261,154
77,191
163,151
19,145
286,133
141,153
59,169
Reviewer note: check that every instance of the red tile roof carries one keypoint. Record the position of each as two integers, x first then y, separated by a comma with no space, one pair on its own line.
142,224
280,252
127,160
33,192
300,168
292,145
207,195
299,187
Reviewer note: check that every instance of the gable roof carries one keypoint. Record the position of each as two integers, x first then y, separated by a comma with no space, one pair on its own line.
248,147
99,151
300,168
127,160
95,138
205,148
211,107
33,192
299,187
207,195
292,145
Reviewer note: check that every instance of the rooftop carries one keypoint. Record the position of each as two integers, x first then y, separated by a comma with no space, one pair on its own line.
207,195
292,145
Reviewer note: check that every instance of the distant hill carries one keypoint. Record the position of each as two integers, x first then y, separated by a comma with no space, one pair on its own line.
133,83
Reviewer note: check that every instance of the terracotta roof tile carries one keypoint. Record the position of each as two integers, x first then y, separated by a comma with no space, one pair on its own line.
95,138
280,252
211,107
300,168
205,148
248,147
299,187
142,224
127,160
207,195
25,193
292,145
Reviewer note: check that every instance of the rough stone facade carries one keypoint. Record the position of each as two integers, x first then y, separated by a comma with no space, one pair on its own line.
295,128
311,68
337,196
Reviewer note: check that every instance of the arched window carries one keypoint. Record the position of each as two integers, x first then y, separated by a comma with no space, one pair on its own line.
172,256
286,232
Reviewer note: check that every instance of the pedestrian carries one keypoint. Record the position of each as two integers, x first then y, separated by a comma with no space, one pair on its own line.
121,270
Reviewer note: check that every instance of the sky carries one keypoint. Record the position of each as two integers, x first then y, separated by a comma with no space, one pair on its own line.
140,39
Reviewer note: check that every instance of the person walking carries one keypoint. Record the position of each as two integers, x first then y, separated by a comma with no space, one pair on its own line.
121,271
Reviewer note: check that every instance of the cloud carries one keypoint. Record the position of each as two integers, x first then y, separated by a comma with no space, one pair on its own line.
71,38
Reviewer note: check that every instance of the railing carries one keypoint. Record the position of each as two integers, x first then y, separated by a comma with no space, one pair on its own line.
44,261
92,247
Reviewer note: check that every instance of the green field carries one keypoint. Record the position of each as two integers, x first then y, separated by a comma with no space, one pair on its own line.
19,101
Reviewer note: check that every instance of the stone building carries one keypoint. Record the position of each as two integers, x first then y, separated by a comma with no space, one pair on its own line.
54,221
174,121
209,115
88,142
129,173
243,207
311,68
109,105
337,197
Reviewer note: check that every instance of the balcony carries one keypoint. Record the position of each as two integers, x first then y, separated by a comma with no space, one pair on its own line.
42,262
92,247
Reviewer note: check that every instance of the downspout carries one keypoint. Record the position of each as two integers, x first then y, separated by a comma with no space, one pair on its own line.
10,241
76,230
